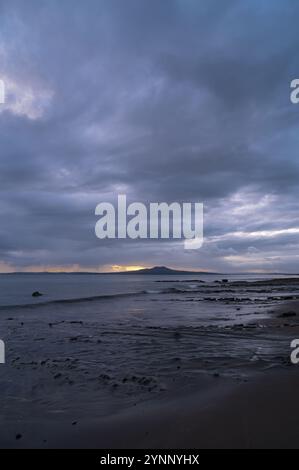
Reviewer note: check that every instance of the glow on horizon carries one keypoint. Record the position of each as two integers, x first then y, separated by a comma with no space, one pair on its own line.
74,268
118,268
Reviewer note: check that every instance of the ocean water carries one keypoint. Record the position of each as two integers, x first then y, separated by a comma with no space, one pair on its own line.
102,342
17,289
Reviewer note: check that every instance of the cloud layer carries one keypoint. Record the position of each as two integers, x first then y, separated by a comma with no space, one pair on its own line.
173,100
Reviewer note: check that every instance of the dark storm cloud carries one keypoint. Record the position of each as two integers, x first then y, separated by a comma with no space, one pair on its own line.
164,101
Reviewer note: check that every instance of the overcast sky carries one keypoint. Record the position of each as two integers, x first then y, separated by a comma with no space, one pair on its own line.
162,100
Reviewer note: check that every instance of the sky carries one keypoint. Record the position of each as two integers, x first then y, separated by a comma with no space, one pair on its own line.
161,100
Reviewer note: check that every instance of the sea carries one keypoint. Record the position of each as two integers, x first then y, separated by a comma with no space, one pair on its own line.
98,343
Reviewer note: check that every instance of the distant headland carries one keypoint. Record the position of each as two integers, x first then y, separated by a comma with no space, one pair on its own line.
163,271
156,270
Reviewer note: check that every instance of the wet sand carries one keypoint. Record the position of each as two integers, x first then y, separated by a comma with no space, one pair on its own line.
262,413
137,377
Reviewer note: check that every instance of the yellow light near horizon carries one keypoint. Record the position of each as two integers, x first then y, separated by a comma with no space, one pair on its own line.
117,268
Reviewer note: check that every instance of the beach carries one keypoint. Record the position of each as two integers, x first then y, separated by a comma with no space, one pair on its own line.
154,363
261,414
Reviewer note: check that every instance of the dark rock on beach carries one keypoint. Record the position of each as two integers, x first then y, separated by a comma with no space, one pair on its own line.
36,294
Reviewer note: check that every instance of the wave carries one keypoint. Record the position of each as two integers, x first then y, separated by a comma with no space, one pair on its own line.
169,290
73,300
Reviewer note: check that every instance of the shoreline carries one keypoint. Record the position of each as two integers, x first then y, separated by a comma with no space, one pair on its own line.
261,413
78,379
